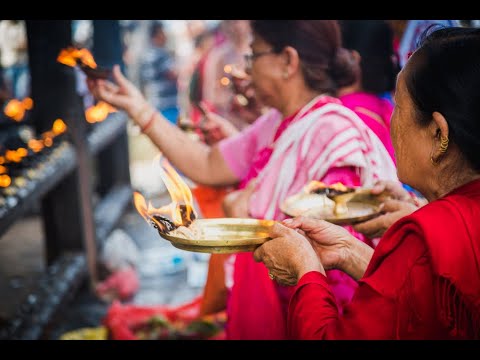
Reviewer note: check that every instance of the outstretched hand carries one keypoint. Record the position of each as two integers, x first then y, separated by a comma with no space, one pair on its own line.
122,94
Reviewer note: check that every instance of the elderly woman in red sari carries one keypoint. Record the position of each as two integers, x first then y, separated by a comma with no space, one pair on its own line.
422,281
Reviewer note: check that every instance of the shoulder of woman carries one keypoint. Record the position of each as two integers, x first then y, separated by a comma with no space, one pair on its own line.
337,120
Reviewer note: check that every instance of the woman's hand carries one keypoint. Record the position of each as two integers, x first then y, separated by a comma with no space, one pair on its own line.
123,95
393,189
334,245
392,211
398,203
330,242
288,256
216,127
236,203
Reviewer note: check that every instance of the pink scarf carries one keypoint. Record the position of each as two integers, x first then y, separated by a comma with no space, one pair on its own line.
263,156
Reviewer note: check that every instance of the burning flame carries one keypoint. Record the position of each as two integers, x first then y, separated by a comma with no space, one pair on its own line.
70,56
16,156
48,141
59,127
180,209
99,112
35,145
15,109
5,181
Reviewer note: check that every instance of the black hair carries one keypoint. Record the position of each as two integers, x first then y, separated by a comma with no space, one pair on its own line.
326,66
373,40
155,27
443,75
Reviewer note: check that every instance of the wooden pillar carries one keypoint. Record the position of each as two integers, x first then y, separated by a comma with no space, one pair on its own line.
67,210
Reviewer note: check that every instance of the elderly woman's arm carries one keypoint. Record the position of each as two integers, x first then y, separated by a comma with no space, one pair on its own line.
199,162
372,313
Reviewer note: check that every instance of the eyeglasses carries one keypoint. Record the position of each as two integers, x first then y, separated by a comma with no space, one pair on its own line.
249,58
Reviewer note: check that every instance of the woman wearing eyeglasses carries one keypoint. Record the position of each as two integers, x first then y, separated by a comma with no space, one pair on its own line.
296,67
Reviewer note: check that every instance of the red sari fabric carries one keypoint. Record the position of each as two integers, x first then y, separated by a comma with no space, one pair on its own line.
423,281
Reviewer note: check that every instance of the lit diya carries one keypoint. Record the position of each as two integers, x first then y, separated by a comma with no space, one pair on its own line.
83,58
177,222
335,203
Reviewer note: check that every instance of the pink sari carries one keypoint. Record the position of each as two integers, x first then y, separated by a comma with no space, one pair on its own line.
322,136
375,113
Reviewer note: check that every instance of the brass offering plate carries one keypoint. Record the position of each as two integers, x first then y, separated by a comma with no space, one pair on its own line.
223,235
361,207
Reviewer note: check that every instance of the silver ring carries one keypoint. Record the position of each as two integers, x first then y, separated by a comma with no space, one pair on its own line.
271,276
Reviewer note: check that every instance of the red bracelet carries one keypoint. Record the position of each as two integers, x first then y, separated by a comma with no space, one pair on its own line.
149,122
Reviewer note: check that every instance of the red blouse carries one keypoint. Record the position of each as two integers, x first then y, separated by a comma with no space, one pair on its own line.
422,282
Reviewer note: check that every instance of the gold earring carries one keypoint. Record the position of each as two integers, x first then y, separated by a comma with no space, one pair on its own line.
285,75
443,144
443,149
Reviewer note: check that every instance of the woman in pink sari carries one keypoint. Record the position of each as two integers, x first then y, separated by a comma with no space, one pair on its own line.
296,67
371,44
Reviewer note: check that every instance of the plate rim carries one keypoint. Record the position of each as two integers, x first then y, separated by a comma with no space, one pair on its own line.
229,243
338,221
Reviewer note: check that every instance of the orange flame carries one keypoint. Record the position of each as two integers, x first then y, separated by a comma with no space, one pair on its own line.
148,211
13,156
70,56
181,199
99,112
59,127
15,110
48,141
3,170
22,152
27,103
179,192
35,145
5,181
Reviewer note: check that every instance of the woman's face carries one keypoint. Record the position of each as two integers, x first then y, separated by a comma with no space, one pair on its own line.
411,142
265,69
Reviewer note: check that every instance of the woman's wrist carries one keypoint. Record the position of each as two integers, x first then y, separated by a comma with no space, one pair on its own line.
142,114
309,264
356,259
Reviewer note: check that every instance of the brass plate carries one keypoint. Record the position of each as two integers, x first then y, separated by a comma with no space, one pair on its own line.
224,235
361,207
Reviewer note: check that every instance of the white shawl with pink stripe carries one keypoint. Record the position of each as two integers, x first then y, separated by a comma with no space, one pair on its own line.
328,137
